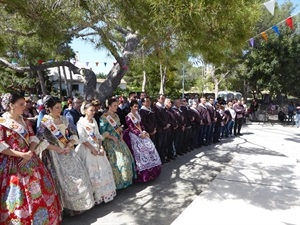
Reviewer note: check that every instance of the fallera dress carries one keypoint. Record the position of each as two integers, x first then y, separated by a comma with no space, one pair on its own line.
119,156
98,167
147,160
68,171
27,193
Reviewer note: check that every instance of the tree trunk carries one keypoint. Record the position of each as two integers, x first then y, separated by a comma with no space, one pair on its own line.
42,82
71,84
144,81
66,81
216,82
162,80
119,69
59,80
216,88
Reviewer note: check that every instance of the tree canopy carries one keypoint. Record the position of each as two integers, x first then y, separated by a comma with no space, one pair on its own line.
274,65
40,29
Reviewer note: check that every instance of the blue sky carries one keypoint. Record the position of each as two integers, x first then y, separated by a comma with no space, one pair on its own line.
87,53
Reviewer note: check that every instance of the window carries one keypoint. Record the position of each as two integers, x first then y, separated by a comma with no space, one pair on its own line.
75,87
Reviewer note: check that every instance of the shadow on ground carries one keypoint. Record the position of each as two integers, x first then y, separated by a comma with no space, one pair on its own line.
164,199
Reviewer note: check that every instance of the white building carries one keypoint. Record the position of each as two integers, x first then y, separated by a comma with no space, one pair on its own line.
78,80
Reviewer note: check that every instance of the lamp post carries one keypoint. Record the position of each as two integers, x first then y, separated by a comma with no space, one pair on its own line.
183,77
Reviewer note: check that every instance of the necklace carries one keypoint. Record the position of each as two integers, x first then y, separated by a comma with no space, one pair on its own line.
111,113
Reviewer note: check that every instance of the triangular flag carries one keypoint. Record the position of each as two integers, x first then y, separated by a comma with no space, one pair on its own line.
264,35
40,61
270,5
87,63
252,42
289,22
105,64
276,30
97,63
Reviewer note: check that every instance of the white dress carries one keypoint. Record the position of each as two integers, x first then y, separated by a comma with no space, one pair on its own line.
98,167
67,170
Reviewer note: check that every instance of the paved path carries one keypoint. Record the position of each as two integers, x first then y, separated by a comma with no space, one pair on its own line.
259,183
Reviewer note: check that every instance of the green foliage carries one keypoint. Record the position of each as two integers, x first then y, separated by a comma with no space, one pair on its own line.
273,65
20,82
101,76
169,31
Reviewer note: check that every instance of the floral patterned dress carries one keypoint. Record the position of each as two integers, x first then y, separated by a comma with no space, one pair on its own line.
98,167
119,155
67,170
147,160
28,194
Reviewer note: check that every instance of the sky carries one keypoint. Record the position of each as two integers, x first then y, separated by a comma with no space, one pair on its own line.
89,55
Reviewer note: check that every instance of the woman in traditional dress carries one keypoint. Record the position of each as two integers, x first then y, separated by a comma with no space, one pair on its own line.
68,171
27,191
117,151
147,160
92,153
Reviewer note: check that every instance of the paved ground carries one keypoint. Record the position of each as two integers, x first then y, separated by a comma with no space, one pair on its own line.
259,183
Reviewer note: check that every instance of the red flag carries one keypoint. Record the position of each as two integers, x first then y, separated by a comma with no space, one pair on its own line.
40,62
289,22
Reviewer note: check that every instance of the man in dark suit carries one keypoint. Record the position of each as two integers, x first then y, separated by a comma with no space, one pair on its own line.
188,119
162,126
206,119
171,130
179,132
148,117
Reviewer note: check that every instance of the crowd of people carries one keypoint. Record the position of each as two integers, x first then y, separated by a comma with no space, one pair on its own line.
66,157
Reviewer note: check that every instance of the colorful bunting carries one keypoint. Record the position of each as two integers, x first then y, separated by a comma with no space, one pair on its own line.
97,63
289,22
87,63
264,35
252,42
105,64
276,30
270,5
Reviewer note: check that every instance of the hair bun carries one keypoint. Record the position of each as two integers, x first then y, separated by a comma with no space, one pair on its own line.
51,101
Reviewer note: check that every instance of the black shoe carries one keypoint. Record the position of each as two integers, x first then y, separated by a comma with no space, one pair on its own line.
184,152
239,134
168,160
179,153
171,158
176,155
